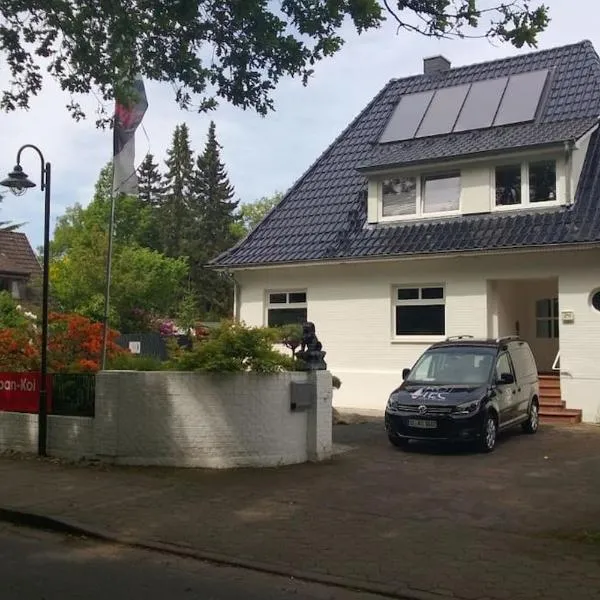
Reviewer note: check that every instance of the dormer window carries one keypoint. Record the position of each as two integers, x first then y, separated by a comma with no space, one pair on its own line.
521,184
441,193
430,195
399,196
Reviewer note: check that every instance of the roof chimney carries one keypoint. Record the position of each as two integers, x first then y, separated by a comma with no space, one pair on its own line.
435,64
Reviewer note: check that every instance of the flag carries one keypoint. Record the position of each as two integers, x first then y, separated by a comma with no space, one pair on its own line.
127,119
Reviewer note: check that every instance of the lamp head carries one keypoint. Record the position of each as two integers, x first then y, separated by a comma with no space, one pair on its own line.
17,181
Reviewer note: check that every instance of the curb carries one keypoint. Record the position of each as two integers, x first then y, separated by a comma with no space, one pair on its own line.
69,527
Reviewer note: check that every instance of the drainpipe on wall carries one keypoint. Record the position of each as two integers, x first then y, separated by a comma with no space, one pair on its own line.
237,298
569,146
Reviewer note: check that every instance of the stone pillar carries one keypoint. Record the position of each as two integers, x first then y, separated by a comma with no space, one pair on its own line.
319,417
106,420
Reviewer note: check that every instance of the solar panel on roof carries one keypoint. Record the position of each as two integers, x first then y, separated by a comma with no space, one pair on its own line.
406,118
481,104
443,110
521,98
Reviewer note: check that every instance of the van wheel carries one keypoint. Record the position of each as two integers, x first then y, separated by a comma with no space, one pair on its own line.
398,442
533,420
489,433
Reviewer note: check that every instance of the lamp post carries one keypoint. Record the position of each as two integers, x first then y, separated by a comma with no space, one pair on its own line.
18,182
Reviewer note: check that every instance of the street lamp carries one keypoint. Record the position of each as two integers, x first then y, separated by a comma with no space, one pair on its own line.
18,182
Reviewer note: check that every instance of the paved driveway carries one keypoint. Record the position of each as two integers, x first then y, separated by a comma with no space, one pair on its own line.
452,523
543,483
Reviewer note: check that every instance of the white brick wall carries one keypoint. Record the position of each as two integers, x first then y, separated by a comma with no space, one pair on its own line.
68,437
212,421
351,306
187,420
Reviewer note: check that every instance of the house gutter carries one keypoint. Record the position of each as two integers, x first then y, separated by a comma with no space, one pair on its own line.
581,246
237,297
470,158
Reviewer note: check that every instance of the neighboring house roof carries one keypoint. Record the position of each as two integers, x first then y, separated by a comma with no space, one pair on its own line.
16,254
323,216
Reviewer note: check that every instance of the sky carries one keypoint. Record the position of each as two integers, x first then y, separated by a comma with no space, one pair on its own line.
262,154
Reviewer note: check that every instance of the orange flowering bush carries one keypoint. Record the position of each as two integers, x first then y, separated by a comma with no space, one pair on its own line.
17,350
74,345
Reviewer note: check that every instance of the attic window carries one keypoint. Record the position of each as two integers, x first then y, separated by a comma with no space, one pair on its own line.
525,183
441,193
430,195
399,196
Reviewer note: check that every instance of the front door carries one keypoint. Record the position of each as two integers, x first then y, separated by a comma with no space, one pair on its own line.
545,343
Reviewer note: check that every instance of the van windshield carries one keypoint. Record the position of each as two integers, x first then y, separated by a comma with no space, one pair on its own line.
469,366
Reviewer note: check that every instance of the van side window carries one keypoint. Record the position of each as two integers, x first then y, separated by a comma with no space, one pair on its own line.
523,362
503,365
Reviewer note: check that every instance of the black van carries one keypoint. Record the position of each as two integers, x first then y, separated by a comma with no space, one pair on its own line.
464,389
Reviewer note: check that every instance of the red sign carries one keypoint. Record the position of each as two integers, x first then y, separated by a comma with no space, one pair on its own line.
20,392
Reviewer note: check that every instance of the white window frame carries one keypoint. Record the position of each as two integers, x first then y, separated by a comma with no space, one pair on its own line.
429,338
525,203
419,201
281,305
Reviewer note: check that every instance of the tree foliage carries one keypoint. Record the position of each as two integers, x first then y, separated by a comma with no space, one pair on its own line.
174,202
143,280
234,347
252,213
213,216
208,49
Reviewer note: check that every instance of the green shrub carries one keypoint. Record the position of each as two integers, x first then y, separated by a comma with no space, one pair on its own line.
133,362
234,347
290,336
10,315
336,382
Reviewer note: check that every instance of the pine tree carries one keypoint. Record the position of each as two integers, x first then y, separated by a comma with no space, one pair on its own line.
150,188
150,195
173,210
213,210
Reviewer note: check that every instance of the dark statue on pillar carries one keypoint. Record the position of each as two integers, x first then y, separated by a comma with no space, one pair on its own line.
311,350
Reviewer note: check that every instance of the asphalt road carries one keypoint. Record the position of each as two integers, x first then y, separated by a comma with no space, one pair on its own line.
36,565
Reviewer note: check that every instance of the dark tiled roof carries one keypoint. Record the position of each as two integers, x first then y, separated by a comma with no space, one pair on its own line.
16,254
323,216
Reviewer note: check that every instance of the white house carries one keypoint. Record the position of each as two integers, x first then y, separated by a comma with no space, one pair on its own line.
461,201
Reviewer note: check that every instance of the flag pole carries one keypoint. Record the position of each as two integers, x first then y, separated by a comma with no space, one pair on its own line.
128,116
111,227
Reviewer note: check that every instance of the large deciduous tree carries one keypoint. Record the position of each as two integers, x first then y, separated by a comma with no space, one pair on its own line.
237,50
143,280
134,220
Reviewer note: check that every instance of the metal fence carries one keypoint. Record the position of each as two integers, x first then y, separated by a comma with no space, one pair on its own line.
73,394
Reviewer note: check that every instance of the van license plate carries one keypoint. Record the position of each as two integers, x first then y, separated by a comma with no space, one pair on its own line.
422,424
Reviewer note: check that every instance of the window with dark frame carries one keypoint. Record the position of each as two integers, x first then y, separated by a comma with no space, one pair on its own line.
420,310
546,318
286,308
